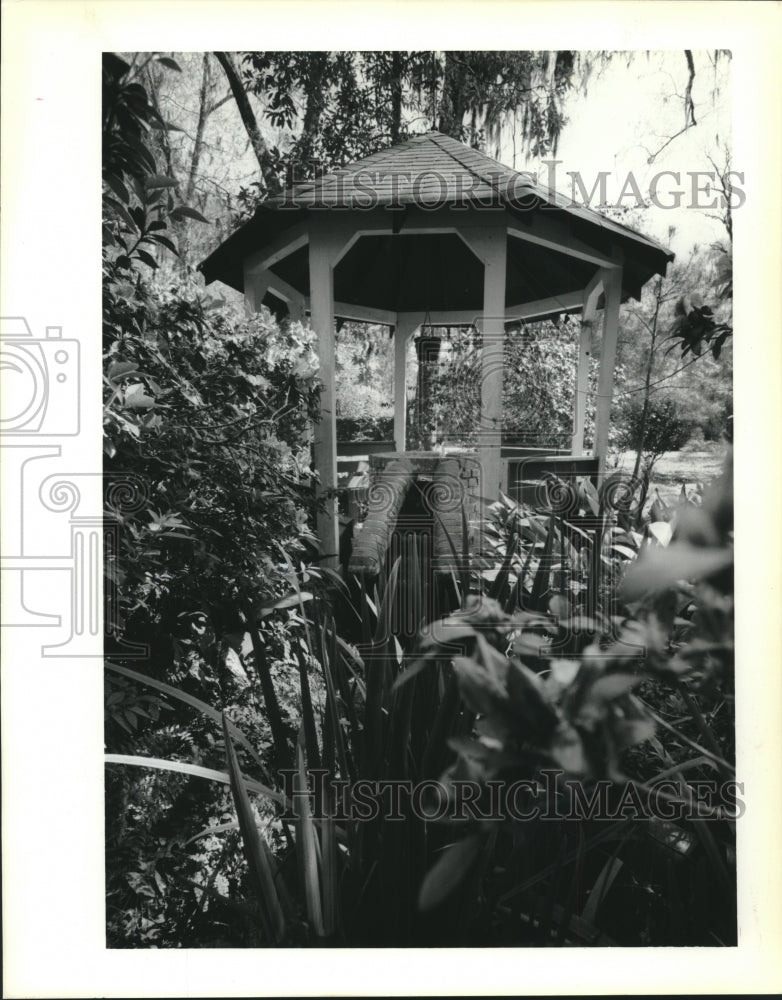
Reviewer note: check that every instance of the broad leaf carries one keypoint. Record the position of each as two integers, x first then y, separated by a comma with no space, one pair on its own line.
452,867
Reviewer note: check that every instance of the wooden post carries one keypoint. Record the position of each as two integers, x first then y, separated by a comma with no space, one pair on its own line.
588,311
612,286
256,283
296,310
490,244
404,329
326,241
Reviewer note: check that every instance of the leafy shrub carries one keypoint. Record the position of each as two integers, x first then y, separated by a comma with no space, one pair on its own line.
364,383
365,429
206,442
538,385
211,417
665,429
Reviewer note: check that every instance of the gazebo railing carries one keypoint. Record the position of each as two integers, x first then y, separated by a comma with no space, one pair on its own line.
523,469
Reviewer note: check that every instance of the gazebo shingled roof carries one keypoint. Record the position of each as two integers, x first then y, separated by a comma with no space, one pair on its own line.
431,232
434,169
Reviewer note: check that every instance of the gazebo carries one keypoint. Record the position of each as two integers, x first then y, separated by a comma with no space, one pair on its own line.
431,232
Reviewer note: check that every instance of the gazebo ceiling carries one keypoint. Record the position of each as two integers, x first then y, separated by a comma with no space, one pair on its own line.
554,248
436,272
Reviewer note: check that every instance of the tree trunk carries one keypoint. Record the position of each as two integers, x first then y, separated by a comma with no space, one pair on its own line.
453,106
689,107
396,96
203,113
177,225
260,148
647,383
312,116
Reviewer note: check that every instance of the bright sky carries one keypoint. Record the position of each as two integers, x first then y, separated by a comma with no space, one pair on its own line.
628,113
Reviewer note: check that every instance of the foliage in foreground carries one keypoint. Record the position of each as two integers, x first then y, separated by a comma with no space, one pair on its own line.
517,682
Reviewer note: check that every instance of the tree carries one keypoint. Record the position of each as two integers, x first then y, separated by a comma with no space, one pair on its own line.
364,383
486,86
340,106
654,426
639,433
652,332
265,159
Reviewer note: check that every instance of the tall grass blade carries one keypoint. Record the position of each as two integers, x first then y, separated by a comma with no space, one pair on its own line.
189,699
332,746
541,581
352,655
386,605
461,597
257,852
450,869
603,883
595,570
307,711
464,565
307,845
497,589
339,675
208,831
704,729
332,727
518,601
270,698
706,837
718,760
445,716
329,864
195,770
377,672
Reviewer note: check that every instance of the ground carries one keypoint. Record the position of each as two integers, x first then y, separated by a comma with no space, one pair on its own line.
693,464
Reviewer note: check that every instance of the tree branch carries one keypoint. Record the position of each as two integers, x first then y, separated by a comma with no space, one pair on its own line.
689,107
260,148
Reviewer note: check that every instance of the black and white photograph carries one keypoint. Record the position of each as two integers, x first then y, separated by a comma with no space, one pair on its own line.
377,498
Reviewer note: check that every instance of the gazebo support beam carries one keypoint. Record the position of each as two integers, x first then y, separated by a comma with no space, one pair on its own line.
588,313
281,288
404,329
490,245
540,308
258,281
285,244
612,286
554,235
325,244
256,284
297,309
365,314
